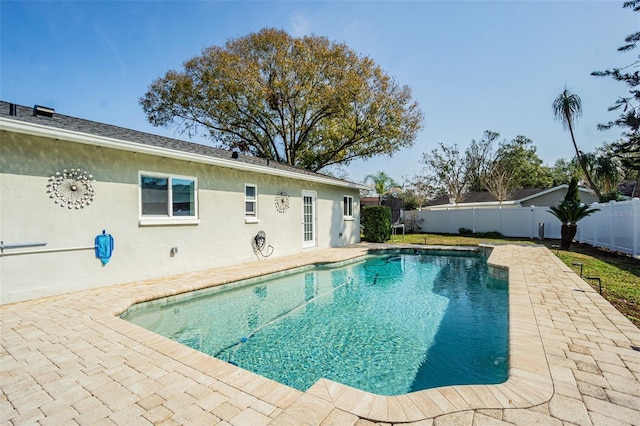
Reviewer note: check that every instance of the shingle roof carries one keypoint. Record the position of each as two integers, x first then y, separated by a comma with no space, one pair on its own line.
487,197
65,122
627,188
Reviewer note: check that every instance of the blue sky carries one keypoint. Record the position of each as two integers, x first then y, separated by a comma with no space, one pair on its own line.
473,65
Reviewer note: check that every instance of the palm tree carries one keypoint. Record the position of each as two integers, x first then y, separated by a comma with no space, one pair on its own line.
607,169
567,107
569,213
382,184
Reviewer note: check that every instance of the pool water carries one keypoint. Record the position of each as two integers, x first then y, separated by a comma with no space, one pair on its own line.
389,325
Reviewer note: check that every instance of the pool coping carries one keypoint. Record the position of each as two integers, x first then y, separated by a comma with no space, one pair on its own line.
529,382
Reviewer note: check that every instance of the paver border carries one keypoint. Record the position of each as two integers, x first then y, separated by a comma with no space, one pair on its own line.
529,382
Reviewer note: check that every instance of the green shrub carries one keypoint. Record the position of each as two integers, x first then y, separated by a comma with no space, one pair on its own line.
611,196
376,223
572,191
410,202
490,234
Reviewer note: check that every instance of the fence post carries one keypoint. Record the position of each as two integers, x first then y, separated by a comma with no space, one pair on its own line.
578,236
446,221
612,234
595,229
473,219
533,221
635,213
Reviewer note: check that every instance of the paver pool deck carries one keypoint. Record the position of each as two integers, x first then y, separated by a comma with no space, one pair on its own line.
574,359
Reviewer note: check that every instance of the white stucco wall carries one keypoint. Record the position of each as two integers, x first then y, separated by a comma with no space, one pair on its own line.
222,237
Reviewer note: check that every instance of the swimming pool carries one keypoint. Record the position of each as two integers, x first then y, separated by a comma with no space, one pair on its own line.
390,324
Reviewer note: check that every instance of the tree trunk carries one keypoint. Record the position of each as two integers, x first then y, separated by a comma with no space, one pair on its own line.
567,232
584,166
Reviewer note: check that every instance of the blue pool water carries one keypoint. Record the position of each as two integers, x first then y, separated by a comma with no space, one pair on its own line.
390,325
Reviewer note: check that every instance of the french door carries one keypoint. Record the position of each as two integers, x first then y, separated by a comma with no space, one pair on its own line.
308,219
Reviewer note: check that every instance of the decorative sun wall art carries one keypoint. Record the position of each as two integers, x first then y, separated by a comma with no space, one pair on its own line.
72,188
282,201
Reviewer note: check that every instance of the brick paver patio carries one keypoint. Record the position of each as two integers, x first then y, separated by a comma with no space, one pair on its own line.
69,360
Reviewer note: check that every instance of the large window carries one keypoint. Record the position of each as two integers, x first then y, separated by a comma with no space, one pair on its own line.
250,203
347,207
168,199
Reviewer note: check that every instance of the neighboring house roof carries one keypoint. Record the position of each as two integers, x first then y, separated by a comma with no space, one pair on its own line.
486,198
392,202
437,201
369,200
627,188
22,119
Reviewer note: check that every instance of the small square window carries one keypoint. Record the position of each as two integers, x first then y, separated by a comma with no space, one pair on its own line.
250,201
347,206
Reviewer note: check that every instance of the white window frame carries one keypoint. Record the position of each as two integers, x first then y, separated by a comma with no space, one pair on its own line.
347,201
248,216
169,218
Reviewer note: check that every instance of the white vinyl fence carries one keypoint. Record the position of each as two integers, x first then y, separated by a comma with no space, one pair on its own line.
616,226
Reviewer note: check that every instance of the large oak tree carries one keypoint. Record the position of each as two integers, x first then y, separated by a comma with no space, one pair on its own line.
520,157
306,101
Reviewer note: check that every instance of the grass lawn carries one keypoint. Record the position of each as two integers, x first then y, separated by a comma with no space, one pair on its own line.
452,240
620,274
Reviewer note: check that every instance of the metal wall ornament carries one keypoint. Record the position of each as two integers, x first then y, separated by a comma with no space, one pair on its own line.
72,188
282,201
259,244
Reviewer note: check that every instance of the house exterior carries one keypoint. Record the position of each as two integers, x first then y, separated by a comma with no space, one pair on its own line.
171,206
629,189
538,197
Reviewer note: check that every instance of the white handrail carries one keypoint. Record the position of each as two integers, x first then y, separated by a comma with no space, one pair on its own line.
20,245
3,254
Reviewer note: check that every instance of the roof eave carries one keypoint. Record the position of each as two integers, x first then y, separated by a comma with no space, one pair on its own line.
106,142
544,192
477,204
552,189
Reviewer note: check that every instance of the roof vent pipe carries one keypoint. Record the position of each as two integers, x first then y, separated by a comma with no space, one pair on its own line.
235,155
42,110
13,110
